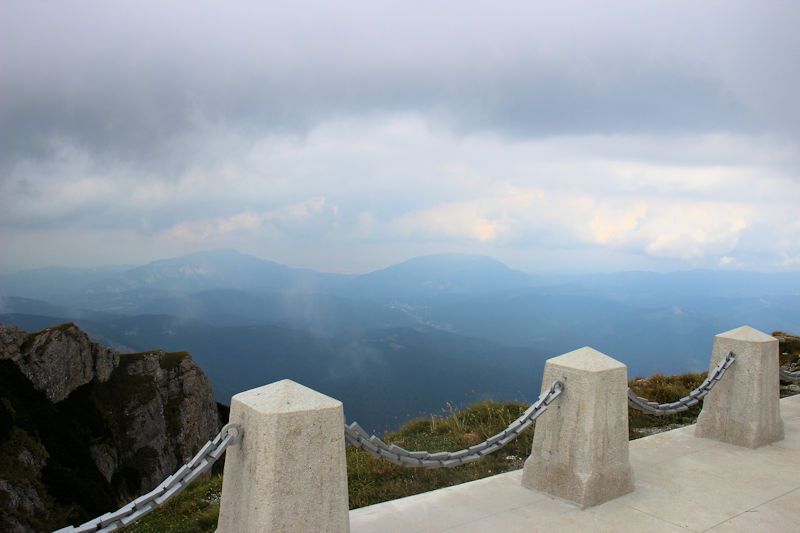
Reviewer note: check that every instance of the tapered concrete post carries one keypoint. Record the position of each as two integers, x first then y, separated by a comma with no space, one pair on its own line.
744,407
289,472
580,444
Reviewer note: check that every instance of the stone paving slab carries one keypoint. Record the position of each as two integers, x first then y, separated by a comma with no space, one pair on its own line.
683,483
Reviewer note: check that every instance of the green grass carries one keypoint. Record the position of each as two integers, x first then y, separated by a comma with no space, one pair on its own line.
123,388
789,347
18,472
170,360
372,480
194,511
31,337
166,360
662,389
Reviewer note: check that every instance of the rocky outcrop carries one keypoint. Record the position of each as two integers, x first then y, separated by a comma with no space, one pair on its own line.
57,360
789,360
168,411
789,348
84,429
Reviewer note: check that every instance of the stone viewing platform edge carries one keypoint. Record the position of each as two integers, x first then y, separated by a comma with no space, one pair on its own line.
682,483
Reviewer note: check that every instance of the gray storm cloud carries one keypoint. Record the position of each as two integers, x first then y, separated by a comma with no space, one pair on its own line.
143,82
395,128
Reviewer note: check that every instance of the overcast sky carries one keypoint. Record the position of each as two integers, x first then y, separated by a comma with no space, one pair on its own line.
345,136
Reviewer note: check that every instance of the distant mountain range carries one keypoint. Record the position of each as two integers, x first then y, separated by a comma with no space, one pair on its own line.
421,277
401,341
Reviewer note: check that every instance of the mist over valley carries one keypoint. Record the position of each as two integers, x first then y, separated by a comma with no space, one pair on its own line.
405,341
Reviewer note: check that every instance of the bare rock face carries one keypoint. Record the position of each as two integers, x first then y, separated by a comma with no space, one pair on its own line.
11,338
190,407
84,429
25,495
169,413
57,360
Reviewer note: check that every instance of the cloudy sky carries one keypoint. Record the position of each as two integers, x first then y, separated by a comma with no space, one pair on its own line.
345,136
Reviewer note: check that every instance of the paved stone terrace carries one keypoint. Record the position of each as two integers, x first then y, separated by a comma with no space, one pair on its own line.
683,483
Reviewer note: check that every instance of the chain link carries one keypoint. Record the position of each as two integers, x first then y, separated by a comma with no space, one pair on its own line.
687,402
355,435
792,377
374,446
199,464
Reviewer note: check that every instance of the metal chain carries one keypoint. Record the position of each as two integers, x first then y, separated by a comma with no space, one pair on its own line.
792,377
687,402
199,464
356,436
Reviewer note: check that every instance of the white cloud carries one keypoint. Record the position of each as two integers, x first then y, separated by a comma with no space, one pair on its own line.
627,133
608,226
460,220
286,218
790,261
691,232
489,218
406,182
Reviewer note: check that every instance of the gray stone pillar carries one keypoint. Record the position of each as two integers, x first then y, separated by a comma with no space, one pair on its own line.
580,444
289,472
744,407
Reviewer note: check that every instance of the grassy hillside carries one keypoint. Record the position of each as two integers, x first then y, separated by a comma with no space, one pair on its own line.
372,480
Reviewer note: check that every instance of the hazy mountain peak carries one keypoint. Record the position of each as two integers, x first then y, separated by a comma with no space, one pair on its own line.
441,273
209,259
451,259
449,262
203,270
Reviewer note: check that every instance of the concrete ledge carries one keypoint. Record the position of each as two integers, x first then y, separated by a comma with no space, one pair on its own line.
682,484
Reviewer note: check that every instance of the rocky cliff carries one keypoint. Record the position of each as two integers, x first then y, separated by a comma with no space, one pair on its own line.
83,428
